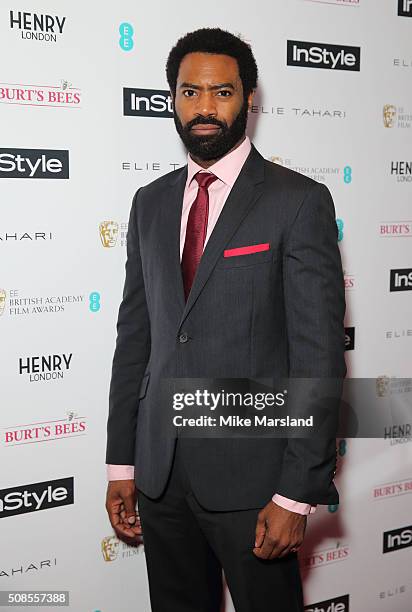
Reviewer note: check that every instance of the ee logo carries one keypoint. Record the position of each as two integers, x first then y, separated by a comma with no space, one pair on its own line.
339,223
126,36
347,175
94,301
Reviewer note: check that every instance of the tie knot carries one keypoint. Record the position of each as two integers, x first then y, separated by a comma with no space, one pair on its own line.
204,179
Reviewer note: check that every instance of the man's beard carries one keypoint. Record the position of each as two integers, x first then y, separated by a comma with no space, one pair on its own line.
216,146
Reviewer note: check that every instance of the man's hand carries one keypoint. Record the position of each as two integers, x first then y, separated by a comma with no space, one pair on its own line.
121,507
278,531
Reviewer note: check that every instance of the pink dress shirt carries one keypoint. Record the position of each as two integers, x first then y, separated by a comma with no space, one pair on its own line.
227,170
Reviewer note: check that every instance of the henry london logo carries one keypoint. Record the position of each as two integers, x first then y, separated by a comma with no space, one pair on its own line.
405,8
323,55
63,95
44,431
36,496
402,170
396,117
111,234
147,102
401,279
34,26
336,604
396,539
34,163
45,367
14,304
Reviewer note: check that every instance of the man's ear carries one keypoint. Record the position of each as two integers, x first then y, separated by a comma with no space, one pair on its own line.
250,100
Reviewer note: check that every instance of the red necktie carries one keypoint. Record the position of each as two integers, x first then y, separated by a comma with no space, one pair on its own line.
196,230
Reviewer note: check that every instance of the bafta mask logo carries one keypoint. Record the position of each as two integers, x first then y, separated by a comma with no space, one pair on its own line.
382,386
109,231
110,548
275,159
389,115
2,300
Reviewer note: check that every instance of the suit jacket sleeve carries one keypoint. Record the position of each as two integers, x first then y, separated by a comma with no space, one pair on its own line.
315,308
131,354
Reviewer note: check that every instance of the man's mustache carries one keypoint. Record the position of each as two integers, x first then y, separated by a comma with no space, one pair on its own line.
205,121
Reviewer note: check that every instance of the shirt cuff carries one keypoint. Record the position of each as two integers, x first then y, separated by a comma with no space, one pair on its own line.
120,472
293,506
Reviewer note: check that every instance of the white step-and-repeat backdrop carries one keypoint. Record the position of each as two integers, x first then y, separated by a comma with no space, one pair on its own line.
334,103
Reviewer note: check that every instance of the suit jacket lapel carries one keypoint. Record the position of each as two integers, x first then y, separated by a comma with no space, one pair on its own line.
243,195
170,237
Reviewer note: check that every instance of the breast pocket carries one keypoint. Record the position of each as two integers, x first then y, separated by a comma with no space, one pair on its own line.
250,259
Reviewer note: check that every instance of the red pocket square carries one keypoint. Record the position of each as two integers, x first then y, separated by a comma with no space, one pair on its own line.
246,250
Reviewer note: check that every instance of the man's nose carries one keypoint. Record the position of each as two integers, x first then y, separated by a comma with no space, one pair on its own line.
206,105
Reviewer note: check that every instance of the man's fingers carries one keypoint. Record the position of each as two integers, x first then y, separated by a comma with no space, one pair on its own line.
121,508
260,531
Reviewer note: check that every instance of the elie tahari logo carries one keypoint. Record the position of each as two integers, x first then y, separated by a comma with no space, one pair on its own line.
405,8
323,55
397,539
37,27
336,604
34,163
147,102
36,496
401,279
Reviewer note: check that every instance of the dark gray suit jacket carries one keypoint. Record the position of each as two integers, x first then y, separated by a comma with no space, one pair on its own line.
273,313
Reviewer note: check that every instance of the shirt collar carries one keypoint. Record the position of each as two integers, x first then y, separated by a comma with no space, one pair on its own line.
227,168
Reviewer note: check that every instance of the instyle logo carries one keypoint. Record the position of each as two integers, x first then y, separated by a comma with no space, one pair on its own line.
147,102
34,163
396,539
401,279
323,55
405,8
61,96
336,604
349,338
37,27
36,496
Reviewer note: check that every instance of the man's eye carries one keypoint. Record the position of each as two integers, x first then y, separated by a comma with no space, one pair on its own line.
189,93
225,92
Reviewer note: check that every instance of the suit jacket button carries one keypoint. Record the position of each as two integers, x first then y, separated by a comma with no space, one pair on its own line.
183,338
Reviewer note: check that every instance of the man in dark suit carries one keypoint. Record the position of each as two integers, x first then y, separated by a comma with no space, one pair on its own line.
233,271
